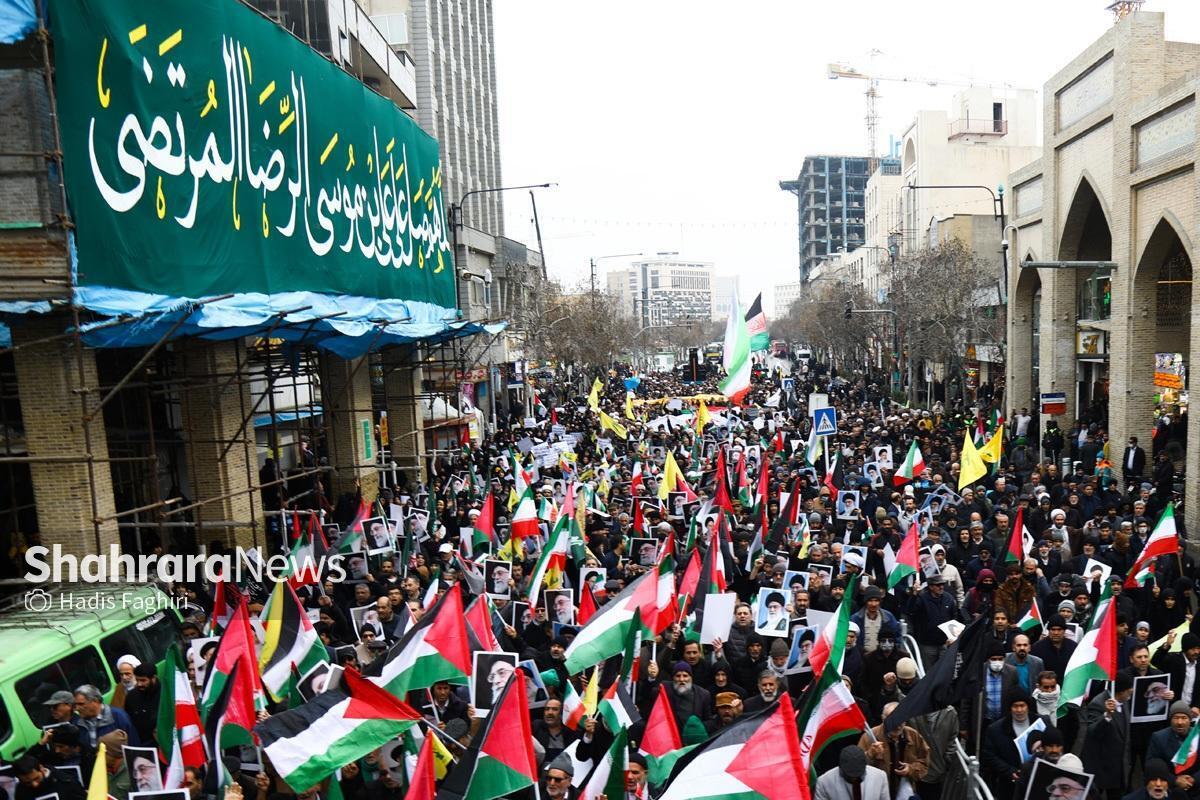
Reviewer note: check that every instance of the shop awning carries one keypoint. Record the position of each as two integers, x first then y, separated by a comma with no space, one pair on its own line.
263,420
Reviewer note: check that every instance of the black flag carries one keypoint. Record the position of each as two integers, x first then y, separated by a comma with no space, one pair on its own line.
956,676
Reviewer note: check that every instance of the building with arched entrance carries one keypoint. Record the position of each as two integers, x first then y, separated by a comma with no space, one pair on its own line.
1109,211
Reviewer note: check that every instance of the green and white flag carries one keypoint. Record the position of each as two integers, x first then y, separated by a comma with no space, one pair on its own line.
608,776
736,358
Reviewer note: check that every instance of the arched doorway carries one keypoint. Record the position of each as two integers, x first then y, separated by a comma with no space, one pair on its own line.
1024,345
1163,292
1087,237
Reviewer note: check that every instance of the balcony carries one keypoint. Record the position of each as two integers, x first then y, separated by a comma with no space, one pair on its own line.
978,127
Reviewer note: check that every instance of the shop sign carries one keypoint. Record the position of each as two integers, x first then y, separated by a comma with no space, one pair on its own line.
1169,371
1090,343
1054,403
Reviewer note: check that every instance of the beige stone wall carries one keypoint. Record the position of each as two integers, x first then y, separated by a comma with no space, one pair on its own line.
48,379
212,410
346,397
406,422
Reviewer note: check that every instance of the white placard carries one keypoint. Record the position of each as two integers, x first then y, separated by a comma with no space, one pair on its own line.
718,617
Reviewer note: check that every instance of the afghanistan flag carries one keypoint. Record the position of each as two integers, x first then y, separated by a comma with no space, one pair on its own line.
500,760
1164,541
756,325
757,756
435,649
308,743
234,665
914,465
178,730
290,642
736,357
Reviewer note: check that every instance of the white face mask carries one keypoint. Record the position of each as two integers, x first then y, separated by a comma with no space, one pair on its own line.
995,666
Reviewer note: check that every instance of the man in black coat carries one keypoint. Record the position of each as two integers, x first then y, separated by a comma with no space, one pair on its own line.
1106,738
1000,758
687,699
1056,649
1133,462
1184,668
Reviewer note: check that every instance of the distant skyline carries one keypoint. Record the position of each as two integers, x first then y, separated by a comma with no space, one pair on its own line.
668,125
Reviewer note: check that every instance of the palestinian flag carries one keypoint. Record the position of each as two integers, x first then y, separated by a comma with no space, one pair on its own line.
552,562
783,523
292,646
539,406
422,784
479,623
835,477
736,358
914,465
500,760
483,533
575,708
307,744
1019,542
605,633
827,712
830,646
525,517
689,584
907,560
1164,541
757,756
178,729
660,739
617,708
435,649
608,776
1185,759
234,665
756,325
1095,656
218,778
721,493
1032,619
763,489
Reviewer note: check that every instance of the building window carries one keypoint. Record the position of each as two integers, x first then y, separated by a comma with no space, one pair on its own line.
1095,295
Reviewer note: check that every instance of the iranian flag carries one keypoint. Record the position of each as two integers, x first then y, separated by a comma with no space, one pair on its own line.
605,633
914,465
636,481
234,664
483,533
756,325
552,562
436,649
575,708
827,712
1020,542
500,760
1032,619
907,560
178,729
1185,759
608,776
660,739
831,644
308,743
1164,541
736,358
525,517
757,756
1095,657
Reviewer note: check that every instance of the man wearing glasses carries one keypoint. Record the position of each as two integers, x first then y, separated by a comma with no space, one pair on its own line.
558,778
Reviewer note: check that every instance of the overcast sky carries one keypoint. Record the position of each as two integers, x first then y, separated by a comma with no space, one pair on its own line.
668,125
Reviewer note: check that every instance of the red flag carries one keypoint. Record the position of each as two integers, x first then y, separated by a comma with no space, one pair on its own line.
662,734
422,784
587,604
722,498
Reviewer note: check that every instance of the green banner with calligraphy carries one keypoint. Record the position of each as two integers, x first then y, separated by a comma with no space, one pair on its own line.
209,151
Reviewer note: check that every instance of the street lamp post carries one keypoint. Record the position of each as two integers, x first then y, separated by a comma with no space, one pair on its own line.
456,223
592,265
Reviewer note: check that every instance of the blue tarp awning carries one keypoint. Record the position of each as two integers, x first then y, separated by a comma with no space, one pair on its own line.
264,420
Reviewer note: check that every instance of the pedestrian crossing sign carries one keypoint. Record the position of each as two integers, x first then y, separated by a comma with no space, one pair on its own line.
825,421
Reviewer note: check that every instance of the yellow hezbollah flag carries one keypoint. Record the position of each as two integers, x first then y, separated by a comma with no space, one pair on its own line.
98,785
971,468
608,423
629,406
670,478
992,451
441,758
702,417
594,395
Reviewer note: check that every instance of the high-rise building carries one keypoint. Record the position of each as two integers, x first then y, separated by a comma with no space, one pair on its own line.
785,295
829,198
723,289
451,44
664,290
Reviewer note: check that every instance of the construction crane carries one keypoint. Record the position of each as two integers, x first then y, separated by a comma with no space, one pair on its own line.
843,70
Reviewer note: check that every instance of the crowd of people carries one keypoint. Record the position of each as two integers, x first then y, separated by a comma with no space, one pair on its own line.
1086,526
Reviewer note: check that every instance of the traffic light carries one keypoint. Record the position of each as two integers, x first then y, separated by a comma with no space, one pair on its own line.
849,309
